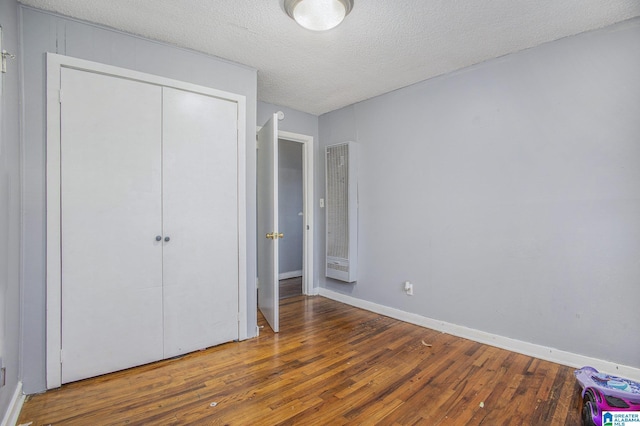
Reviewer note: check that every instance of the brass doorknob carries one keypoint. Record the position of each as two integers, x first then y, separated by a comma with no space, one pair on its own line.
271,235
281,235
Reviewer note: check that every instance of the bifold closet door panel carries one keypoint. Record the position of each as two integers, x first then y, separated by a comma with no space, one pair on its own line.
111,165
200,216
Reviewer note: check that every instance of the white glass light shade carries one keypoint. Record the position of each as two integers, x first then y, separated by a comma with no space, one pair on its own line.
318,15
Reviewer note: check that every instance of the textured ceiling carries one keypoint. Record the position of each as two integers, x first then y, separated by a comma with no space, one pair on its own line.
381,46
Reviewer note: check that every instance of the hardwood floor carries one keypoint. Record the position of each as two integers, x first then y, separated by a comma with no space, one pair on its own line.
290,287
331,364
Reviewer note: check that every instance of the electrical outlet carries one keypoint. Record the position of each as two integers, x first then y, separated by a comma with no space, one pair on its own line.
408,288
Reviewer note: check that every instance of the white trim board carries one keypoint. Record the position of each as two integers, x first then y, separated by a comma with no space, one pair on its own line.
530,349
15,406
290,274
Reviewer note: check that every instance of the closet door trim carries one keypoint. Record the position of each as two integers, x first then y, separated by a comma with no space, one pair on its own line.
55,63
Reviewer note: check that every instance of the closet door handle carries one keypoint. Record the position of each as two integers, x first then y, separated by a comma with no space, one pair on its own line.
167,239
158,238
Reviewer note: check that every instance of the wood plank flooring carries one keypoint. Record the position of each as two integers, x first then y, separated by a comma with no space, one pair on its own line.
290,287
331,364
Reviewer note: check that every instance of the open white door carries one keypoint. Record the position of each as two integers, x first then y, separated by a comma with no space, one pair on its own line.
268,291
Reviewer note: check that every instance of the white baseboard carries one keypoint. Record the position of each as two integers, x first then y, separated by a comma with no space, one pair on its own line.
290,274
15,406
531,349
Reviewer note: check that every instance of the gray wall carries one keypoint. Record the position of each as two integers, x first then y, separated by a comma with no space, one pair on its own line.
43,32
509,194
9,206
305,124
290,204
294,121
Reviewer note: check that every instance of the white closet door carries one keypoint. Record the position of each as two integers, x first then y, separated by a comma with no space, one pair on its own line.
111,215
200,217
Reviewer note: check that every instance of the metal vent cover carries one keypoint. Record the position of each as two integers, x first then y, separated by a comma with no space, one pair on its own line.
338,201
342,211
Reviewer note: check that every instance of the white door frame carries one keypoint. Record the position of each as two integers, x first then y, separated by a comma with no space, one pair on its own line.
55,63
307,210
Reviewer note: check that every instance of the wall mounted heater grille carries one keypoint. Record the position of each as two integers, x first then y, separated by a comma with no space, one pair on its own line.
341,174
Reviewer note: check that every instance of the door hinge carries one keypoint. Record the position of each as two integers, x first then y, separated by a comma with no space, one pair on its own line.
60,96
61,355
4,54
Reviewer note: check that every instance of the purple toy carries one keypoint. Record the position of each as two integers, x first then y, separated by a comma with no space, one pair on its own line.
602,392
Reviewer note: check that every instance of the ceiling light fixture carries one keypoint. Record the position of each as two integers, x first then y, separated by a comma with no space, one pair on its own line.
318,15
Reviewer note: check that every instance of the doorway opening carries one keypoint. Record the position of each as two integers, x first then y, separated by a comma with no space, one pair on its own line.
296,229
295,202
290,218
